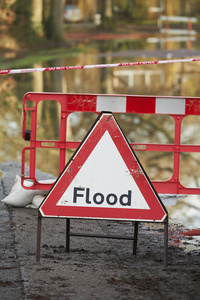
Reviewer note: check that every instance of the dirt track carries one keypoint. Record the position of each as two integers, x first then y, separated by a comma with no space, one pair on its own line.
95,268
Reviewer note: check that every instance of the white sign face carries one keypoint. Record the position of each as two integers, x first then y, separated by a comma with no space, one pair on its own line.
104,181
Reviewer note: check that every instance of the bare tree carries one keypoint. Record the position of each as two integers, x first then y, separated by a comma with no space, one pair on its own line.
53,19
37,9
107,17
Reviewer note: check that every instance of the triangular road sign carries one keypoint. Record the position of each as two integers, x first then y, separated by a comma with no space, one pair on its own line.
104,179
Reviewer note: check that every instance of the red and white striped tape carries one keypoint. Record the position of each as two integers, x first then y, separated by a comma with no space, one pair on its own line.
17,71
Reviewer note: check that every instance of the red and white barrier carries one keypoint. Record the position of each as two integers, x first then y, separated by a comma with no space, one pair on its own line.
177,107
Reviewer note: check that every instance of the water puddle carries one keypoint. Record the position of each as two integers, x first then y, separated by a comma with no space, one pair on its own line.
177,236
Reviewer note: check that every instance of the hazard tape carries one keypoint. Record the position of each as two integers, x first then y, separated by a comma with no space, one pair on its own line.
17,71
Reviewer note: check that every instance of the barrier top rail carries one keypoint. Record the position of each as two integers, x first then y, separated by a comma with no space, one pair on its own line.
176,107
178,19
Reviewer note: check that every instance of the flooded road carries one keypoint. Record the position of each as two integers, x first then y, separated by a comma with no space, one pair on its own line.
180,79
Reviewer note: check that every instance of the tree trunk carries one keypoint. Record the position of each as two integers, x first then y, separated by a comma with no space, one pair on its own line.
168,7
53,19
23,29
107,17
37,15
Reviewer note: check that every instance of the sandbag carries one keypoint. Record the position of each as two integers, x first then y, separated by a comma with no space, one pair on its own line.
170,199
37,200
21,197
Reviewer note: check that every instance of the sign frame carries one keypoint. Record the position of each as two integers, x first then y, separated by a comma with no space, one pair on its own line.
68,170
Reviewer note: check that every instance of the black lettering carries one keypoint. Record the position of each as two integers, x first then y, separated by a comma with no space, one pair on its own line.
111,199
99,195
76,190
125,199
87,196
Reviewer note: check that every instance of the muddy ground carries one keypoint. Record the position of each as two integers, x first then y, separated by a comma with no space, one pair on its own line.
95,269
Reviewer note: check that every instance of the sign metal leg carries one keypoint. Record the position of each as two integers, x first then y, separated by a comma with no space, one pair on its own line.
135,238
67,235
39,228
166,242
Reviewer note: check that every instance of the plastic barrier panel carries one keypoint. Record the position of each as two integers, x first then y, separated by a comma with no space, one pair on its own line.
176,107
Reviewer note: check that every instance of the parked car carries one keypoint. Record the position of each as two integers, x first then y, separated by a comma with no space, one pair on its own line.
72,13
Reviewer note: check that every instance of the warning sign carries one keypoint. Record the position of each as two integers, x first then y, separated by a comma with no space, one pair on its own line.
104,179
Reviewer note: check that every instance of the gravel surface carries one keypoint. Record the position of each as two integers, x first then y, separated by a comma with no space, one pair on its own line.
94,268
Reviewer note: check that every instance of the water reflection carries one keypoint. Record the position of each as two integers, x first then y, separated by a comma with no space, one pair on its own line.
167,42
180,79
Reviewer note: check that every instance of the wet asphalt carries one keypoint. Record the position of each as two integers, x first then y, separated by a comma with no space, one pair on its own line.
11,286
94,269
